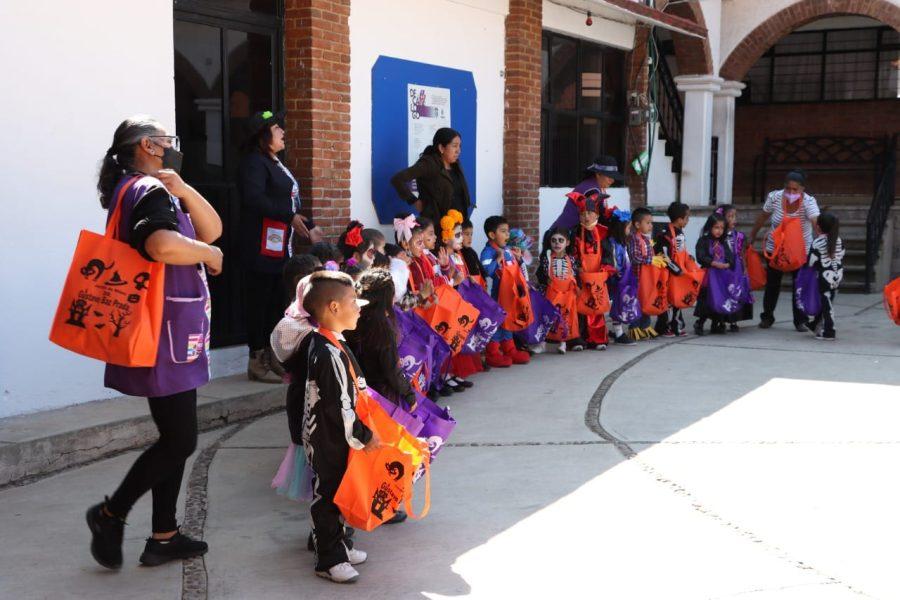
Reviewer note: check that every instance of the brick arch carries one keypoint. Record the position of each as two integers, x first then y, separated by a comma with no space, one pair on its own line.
692,54
796,15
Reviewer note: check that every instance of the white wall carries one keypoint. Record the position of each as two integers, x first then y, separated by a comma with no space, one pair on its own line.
662,183
72,72
467,35
570,22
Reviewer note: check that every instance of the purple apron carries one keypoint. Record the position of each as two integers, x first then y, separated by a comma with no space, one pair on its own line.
806,292
491,316
182,360
546,316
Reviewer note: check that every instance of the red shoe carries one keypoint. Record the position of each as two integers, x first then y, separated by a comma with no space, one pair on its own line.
518,356
494,357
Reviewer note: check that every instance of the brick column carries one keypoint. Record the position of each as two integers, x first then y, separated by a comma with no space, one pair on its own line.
522,116
317,99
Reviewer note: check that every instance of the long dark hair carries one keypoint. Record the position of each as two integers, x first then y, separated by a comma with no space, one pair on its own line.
260,141
711,221
442,137
376,327
119,159
830,225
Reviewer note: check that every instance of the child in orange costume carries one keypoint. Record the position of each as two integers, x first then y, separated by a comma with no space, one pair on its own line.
587,241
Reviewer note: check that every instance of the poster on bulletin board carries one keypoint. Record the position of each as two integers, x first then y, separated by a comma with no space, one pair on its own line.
410,102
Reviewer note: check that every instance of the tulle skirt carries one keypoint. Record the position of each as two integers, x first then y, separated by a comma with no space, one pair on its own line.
294,476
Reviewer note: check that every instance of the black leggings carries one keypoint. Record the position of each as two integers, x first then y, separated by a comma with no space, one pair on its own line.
265,307
773,289
161,466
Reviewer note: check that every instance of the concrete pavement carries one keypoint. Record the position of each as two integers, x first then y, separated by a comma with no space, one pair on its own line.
751,465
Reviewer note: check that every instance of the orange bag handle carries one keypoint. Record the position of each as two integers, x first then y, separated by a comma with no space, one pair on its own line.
407,502
112,226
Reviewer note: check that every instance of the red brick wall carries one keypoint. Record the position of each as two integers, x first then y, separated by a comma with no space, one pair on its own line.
636,140
753,123
522,116
317,98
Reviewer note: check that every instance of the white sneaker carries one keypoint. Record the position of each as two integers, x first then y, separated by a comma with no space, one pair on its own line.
600,347
342,573
356,557
562,348
539,348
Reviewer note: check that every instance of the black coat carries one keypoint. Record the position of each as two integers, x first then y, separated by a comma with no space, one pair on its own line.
265,193
435,187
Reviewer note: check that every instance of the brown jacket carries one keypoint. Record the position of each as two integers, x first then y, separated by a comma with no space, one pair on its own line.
435,187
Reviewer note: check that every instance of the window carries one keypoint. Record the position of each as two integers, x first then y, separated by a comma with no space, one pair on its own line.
831,65
582,107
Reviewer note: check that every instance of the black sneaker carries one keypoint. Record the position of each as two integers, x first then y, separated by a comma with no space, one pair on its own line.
106,536
398,517
698,329
717,329
445,391
463,382
733,328
766,322
624,340
177,547
801,327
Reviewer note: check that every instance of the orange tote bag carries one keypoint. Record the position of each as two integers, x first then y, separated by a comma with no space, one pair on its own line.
892,300
593,299
112,301
756,270
789,252
514,296
653,288
684,287
451,317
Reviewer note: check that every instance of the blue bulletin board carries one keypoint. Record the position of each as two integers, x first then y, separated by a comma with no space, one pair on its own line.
392,80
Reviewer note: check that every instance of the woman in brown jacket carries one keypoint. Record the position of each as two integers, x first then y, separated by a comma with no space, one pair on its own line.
439,178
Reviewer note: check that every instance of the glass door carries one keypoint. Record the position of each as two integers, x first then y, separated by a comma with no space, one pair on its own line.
227,67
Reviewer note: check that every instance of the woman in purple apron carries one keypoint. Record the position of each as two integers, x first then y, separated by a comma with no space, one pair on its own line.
167,221
600,175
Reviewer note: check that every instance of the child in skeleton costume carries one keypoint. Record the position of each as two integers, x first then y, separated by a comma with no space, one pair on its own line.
557,276
330,426
587,240
712,252
826,255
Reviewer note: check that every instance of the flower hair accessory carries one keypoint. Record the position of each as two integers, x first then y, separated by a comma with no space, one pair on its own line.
623,216
720,211
353,237
449,223
404,228
351,262
332,266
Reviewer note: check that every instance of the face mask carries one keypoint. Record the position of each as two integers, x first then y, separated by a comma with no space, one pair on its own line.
793,197
172,159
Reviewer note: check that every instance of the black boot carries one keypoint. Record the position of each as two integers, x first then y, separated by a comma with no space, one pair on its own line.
106,536
177,547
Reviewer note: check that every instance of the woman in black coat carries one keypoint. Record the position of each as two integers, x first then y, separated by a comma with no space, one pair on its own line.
439,178
270,217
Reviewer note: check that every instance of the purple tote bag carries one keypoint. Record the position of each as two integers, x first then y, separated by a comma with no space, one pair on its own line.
439,423
490,318
626,306
410,422
546,316
806,292
727,290
422,351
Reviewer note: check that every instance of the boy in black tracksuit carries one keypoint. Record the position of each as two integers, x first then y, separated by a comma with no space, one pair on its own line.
330,426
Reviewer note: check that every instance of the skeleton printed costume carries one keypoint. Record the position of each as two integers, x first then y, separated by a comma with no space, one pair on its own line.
831,272
330,428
